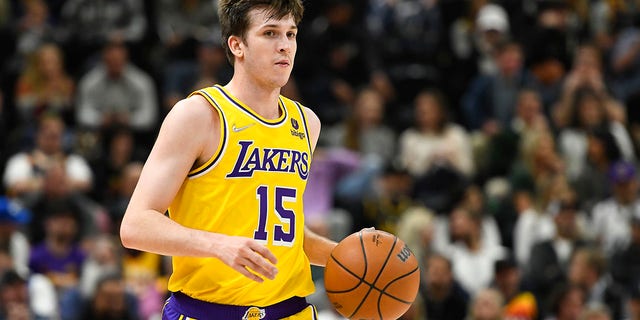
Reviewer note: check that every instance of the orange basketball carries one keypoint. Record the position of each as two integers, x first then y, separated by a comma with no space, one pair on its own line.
372,274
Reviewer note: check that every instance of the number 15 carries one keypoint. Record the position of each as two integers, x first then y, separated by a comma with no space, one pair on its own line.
286,216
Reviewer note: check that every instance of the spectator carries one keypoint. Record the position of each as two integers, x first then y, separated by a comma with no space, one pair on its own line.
24,171
86,25
117,205
596,312
365,131
625,61
492,28
588,114
145,277
588,269
56,191
407,37
12,240
566,302
104,257
472,258
122,147
549,260
416,228
611,217
182,77
443,297
592,184
445,234
59,256
182,24
26,298
322,213
340,60
388,200
625,264
587,74
519,303
44,86
488,104
111,301
435,141
501,151
487,304
116,93
34,27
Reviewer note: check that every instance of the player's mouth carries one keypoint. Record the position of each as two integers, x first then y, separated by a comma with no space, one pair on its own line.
283,63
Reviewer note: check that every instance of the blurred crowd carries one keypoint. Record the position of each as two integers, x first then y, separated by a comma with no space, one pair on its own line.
499,139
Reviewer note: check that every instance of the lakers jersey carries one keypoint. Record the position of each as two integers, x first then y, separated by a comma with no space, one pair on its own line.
251,187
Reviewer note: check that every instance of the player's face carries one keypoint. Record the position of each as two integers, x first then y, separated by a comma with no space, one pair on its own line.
269,48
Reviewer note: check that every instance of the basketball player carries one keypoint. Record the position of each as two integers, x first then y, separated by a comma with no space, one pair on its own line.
230,165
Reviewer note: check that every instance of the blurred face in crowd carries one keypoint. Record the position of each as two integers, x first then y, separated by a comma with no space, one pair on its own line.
587,60
61,227
529,106
428,112
14,294
626,192
487,305
565,221
508,280
439,277
590,110
50,136
115,59
369,108
50,61
510,60
571,305
461,224
596,152
109,301
56,184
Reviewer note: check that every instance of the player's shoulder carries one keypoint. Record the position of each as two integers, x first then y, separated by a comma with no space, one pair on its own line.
194,110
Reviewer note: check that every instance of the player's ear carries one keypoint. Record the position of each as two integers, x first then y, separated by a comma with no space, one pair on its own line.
235,45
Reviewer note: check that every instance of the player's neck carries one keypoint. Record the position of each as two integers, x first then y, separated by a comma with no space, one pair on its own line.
262,100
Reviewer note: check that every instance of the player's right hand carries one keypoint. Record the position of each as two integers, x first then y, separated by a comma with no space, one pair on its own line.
246,255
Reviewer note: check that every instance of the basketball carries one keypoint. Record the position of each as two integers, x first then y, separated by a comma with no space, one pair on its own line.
372,274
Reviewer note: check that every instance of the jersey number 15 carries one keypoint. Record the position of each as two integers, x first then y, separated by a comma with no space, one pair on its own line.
286,216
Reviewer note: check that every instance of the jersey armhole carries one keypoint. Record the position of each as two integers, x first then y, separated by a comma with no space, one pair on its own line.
306,127
211,163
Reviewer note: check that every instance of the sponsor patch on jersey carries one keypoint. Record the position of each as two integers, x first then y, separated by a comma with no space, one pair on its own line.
254,313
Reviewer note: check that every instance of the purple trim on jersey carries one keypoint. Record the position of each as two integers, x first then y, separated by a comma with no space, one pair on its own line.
181,304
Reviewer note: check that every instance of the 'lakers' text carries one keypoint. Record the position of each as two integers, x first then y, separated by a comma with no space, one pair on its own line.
251,159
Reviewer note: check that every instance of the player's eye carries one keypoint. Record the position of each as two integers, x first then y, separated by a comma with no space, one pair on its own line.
291,35
269,33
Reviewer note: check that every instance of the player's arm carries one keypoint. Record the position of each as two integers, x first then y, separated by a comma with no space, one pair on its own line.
189,127
317,248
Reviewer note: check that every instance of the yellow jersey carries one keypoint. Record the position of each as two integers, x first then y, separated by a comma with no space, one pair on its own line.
251,187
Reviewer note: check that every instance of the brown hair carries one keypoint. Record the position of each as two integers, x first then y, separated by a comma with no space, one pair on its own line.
234,16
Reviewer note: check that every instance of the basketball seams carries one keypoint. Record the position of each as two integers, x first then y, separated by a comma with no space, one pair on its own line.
348,271
383,290
372,286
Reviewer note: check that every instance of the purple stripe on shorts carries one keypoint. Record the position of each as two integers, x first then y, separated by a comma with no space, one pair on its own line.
199,309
